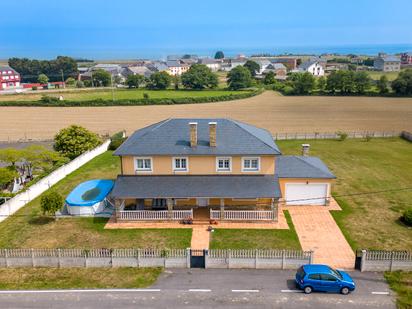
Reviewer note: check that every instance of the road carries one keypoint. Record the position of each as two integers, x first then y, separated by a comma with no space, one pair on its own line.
211,288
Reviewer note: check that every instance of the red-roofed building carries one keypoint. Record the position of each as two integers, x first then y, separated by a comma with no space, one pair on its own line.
9,78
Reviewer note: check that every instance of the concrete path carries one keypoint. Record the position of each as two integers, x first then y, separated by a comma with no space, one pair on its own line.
200,237
318,231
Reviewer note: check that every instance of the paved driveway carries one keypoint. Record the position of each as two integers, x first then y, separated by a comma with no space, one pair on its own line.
318,231
213,288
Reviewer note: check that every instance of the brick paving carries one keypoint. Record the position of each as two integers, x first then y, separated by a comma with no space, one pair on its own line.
318,231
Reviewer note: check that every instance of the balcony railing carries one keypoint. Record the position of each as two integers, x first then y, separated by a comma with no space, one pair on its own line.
243,215
154,215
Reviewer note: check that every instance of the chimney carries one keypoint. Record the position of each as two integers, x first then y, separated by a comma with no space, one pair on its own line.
193,134
212,134
305,149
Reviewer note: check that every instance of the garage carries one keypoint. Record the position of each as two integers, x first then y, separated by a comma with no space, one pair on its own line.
306,193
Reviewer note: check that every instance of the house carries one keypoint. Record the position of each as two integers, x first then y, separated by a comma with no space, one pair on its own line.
289,62
387,63
406,59
278,68
314,66
115,70
233,63
140,70
176,67
213,64
9,78
226,169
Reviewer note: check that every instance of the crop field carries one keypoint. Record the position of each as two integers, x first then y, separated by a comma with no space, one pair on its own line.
269,110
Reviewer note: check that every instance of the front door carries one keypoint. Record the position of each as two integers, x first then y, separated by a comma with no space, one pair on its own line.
202,202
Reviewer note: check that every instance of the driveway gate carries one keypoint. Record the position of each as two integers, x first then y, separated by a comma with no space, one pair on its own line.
197,258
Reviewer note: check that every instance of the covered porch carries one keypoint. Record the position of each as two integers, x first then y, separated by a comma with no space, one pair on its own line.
196,198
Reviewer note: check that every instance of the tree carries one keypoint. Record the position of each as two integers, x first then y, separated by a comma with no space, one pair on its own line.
176,81
402,85
75,140
269,78
341,81
382,85
51,202
37,157
134,81
321,82
362,82
80,84
199,76
70,81
160,81
101,78
11,155
239,77
43,79
7,175
252,66
219,55
302,83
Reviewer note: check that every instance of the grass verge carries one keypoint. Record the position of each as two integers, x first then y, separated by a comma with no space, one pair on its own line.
77,278
401,283
256,239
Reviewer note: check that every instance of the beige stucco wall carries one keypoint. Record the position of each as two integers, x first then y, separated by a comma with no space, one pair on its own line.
198,165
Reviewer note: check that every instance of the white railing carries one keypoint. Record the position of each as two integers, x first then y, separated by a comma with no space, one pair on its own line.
243,215
153,215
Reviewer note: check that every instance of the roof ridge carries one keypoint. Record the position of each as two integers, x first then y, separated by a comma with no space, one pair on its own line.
238,124
307,163
156,126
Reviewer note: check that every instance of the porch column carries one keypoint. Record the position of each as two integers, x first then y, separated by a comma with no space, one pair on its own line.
222,209
275,208
117,206
169,203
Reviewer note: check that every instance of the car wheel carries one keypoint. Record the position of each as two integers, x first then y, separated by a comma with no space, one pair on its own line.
308,289
344,291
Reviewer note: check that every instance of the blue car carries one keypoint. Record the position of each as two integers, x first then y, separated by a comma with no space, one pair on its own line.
315,277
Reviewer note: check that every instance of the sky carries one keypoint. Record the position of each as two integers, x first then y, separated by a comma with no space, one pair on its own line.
133,28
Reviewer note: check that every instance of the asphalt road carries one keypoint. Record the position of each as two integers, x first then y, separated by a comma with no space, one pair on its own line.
212,288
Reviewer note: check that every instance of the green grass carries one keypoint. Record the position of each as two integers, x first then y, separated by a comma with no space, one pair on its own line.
256,239
375,75
119,94
401,283
369,221
76,278
29,229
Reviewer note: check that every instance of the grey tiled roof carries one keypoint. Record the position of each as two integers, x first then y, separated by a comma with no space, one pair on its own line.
188,186
301,167
391,59
172,137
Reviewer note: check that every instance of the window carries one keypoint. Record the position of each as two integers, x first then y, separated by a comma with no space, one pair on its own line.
327,277
224,164
314,277
180,164
144,164
251,164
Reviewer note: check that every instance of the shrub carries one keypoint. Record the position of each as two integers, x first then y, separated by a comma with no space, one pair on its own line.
7,175
49,99
51,202
407,217
80,84
116,140
34,88
146,96
368,137
75,140
342,135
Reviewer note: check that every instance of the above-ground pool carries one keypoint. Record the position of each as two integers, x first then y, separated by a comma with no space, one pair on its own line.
89,197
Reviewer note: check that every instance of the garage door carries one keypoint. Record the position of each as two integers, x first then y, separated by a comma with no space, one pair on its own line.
306,194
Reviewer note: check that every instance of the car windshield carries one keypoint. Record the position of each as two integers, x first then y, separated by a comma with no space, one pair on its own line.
336,273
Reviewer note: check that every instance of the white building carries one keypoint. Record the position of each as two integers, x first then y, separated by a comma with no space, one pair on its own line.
213,64
314,67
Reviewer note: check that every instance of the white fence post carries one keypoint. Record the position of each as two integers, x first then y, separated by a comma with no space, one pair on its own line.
363,260
391,263
138,257
58,258
229,256
256,258
32,257
188,257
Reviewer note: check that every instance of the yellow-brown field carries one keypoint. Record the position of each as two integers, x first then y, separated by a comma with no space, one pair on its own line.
269,110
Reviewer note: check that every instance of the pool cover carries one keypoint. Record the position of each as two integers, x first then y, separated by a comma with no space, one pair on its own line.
90,192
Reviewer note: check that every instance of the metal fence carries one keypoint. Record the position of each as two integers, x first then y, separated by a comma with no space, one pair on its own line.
376,260
335,135
258,259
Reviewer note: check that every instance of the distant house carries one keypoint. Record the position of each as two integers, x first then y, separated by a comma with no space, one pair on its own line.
314,66
140,70
213,64
9,78
114,69
289,62
263,63
335,66
278,68
406,59
176,67
233,63
387,63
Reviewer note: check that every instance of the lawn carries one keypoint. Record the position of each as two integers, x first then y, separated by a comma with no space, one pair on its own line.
119,94
29,229
401,283
76,278
375,75
256,239
376,167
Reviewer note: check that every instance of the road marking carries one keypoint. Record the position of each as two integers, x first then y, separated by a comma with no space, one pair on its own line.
291,291
77,291
199,290
380,293
245,291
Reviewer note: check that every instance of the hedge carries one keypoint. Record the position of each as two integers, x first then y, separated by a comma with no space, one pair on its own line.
128,102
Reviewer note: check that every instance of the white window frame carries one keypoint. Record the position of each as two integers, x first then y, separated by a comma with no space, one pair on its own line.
250,169
143,170
223,170
175,169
